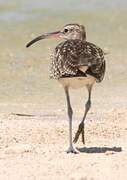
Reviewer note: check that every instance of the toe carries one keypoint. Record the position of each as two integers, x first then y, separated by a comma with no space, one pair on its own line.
72,150
83,138
80,130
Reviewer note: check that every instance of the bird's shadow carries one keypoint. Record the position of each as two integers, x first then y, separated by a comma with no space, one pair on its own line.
99,149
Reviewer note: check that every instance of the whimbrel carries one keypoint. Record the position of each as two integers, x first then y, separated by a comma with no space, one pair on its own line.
75,63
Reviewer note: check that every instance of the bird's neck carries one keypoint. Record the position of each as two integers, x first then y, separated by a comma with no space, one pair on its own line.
83,36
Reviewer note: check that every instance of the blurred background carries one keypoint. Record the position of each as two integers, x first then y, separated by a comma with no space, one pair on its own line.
24,73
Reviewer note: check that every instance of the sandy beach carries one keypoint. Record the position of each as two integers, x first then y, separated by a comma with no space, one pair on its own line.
34,147
33,118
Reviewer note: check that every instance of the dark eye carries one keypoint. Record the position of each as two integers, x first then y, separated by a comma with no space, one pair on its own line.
65,30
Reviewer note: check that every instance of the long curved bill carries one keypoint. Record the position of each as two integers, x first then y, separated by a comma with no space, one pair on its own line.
44,36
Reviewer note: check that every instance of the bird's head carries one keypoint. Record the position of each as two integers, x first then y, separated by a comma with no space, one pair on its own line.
68,32
73,31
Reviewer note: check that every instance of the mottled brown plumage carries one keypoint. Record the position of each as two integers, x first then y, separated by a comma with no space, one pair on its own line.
70,55
75,63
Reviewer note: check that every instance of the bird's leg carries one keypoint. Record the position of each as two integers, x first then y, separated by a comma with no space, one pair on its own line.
71,148
81,125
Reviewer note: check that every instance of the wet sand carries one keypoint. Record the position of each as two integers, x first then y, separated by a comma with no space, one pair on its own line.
34,147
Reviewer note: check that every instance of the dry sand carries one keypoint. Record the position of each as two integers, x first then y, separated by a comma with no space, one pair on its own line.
33,148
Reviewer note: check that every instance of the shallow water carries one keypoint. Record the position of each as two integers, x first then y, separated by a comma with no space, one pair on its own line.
24,74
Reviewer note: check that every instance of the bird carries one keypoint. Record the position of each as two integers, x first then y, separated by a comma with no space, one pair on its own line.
75,63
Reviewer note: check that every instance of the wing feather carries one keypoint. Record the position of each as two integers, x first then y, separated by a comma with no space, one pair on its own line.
70,55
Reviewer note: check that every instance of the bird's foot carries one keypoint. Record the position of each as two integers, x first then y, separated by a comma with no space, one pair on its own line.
80,131
72,149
